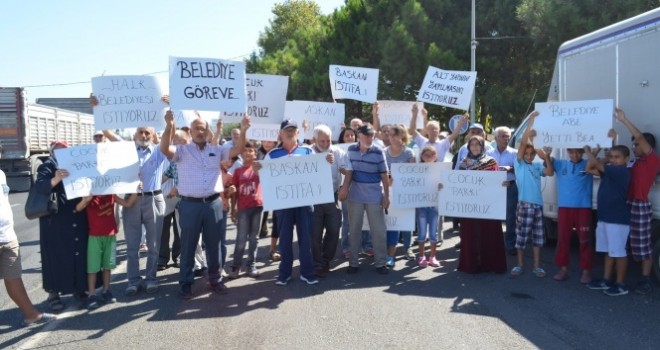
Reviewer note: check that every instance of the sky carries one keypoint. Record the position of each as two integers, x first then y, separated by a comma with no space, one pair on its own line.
45,42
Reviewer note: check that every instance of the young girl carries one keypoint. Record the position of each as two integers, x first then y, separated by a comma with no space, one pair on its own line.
427,218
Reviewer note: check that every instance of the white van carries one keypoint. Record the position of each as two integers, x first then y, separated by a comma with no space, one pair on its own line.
618,62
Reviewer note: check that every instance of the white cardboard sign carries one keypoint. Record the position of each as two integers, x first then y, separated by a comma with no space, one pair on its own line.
415,185
184,118
447,88
100,168
207,84
313,113
128,101
263,132
266,96
473,194
355,83
290,182
396,219
573,124
400,112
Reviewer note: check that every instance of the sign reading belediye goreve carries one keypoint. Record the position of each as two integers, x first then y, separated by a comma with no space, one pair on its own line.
312,113
100,168
207,84
290,182
355,83
573,124
447,88
473,194
128,101
266,96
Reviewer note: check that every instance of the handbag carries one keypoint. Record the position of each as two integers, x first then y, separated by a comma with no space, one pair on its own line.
39,204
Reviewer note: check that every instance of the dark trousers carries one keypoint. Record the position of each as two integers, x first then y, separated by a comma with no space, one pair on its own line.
169,224
327,217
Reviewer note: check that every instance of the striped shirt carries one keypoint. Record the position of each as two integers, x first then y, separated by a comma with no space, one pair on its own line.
199,170
366,185
506,158
279,151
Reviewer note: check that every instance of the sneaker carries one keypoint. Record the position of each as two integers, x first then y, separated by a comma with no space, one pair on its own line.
643,287
185,293
616,290
108,298
422,262
370,252
309,280
282,282
561,275
434,262
92,302
151,288
383,270
600,284
233,274
131,290
390,261
219,288
275,256
253,272
409,254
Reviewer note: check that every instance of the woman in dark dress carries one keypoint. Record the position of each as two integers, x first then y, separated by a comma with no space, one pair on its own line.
482,240
63,237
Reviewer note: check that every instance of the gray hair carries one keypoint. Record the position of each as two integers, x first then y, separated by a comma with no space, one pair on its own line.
502,129
322,129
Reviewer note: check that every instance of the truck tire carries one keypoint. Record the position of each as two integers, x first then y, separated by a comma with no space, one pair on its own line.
35,162
656,260
19,183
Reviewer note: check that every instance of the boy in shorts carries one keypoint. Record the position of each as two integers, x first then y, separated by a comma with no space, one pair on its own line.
643,171
102,244
529,217
613,218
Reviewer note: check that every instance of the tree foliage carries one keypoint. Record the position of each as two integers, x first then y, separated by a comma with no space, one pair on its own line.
517,44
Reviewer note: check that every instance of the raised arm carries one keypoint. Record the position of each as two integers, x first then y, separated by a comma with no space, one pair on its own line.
457,128
376,120
238,148
218,133
593,167
526,135
165,147
639,137
549,168
413,121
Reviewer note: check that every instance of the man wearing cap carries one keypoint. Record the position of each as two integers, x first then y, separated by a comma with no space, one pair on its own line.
433,132
505,157
366,188
99,137
301,217
200,208
475,129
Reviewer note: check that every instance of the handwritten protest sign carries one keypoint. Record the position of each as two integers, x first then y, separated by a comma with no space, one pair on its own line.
396,219
314,113
290,182
416,184
573,124
473,194
128,101
207,84
263,132
399,112
100,168
266,96
184,118
354,83
447,88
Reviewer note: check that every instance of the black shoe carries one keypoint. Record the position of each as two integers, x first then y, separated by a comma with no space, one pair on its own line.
185,293
162,267
351,270
200,272
92,302
321,272
457,245
219,288
383,270
176,264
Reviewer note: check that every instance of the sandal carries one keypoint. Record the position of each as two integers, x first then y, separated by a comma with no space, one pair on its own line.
516,271
275,256
55,303
45,318
539,272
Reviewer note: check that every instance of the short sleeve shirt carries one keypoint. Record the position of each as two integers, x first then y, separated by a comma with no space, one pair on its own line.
198,170
528,179
441,147
574,185
644,170
7,233
366,185
152,164
248,188
612,192
101,216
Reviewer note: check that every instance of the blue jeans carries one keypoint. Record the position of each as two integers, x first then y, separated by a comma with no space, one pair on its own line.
393,238
427,223
207,218
511,205
345,243
248,226
301,218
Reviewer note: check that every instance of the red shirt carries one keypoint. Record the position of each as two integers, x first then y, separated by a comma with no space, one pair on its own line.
101,216
643,174
248,188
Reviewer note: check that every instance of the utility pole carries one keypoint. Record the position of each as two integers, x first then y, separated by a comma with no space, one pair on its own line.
473,62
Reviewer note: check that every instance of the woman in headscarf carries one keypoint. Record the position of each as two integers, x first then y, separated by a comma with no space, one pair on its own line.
482,240
63,237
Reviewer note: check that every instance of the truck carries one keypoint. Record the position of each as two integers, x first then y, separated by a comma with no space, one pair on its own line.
26,131
618,62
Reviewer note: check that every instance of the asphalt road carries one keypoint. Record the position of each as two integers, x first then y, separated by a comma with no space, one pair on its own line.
411,308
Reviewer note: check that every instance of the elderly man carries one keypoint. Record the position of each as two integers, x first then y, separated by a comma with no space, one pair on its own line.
433,132
505,157
327,216
366,188
200,208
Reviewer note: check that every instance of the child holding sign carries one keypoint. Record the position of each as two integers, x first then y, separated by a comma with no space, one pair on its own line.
102,243
530,202
427,219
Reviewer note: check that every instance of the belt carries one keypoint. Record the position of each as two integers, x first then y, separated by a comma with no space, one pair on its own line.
154,193
208,199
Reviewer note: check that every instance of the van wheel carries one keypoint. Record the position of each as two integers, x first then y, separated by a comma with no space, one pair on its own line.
656,259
